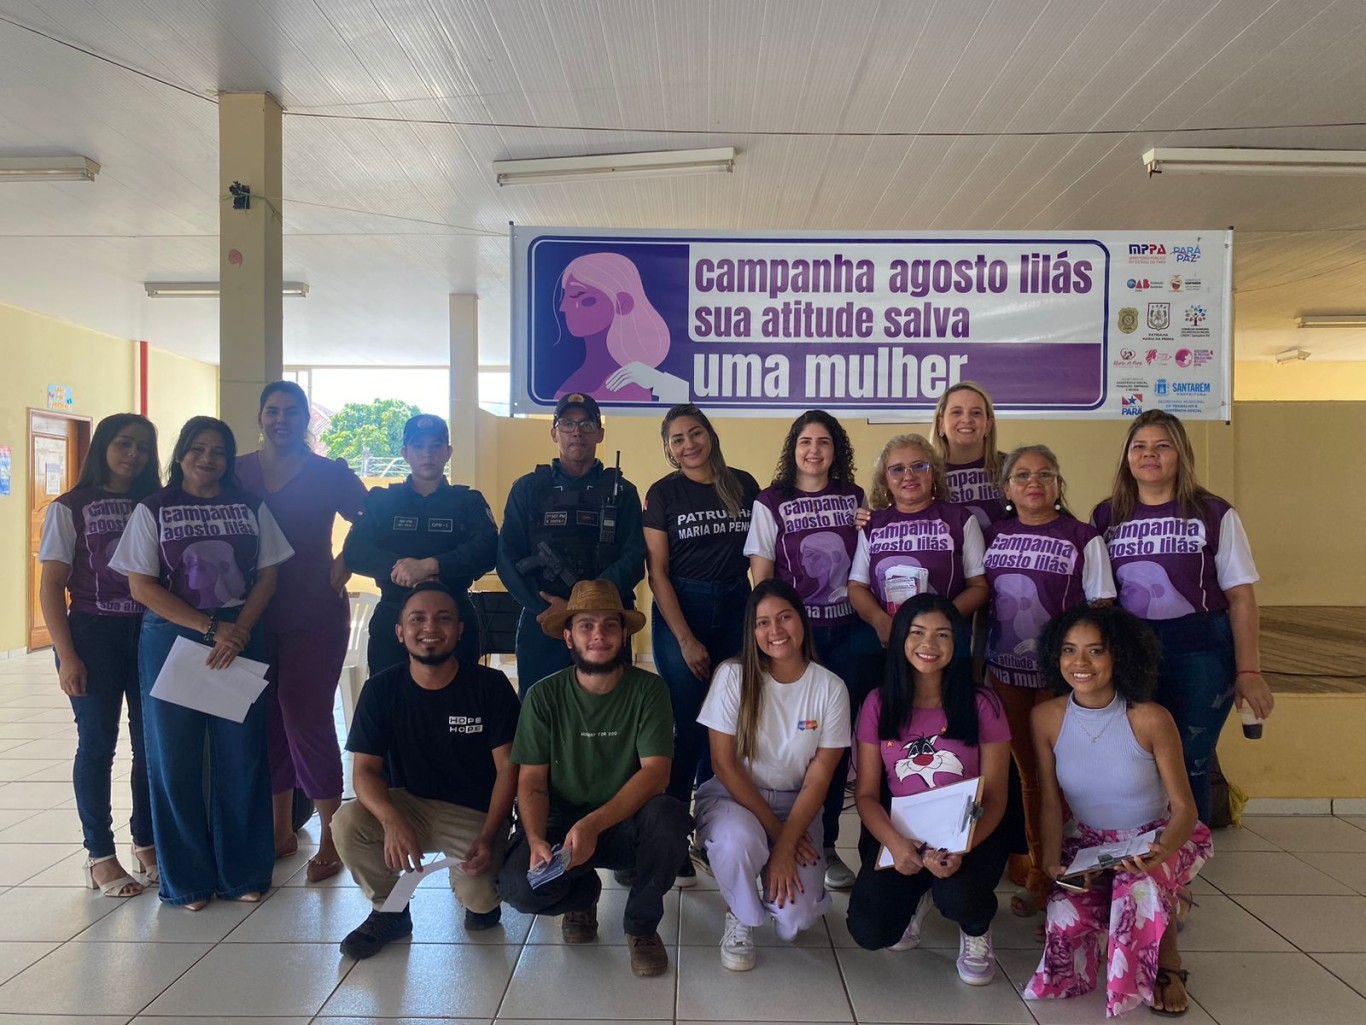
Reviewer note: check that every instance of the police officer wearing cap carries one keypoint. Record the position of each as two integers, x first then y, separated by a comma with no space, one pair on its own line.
572,520
423,529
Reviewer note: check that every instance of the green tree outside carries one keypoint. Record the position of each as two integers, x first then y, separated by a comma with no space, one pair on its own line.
374,426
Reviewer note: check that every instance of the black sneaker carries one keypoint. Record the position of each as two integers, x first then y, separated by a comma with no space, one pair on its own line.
369,938
687,875
477,921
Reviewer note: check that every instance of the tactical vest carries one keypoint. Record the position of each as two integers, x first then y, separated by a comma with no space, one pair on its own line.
569,521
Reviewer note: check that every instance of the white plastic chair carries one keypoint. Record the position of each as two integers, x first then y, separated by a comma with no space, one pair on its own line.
355,671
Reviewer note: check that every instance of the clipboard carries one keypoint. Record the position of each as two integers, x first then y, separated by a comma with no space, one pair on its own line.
1105,856
944,817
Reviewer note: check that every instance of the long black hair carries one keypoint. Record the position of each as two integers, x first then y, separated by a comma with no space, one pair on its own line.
841,468
1131,642
95,470
195,426
958,694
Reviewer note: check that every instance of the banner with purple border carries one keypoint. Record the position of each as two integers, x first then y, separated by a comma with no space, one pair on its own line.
1055,324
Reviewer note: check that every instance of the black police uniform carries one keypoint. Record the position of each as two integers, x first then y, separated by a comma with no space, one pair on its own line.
547,505
452,525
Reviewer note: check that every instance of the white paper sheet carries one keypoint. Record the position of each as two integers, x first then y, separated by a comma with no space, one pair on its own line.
408,883
941,817
1102,856
186,680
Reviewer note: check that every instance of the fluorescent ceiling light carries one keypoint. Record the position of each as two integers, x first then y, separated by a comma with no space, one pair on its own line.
1234,160
207,289
48,169
1292,355
1339,320
615,165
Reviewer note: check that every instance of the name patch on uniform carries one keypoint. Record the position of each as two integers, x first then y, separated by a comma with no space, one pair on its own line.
405,522
556,519
465,724
807,724
444,526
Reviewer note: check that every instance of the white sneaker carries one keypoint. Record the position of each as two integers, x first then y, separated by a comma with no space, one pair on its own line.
976,960
737,949
910,939
838,875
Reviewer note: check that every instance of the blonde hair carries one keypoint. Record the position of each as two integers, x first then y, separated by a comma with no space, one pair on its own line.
991,454
879,496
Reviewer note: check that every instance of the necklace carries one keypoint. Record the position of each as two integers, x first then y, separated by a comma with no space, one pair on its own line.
1081,724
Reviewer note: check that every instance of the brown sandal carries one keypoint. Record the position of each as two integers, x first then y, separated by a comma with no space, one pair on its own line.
319,870
1162,982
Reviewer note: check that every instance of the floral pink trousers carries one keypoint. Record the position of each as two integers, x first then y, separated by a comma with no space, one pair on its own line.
1133,909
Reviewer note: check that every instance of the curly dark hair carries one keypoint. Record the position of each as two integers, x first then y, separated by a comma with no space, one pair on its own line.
1131,642
785,473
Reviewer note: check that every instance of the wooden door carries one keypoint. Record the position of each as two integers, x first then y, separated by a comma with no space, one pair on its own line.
57,443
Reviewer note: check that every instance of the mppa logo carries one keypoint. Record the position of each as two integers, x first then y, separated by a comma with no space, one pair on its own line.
1160,387
1147,249
1131,405
1184,254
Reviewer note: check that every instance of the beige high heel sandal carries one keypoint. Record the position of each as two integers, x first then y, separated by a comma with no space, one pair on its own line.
117,887
152,872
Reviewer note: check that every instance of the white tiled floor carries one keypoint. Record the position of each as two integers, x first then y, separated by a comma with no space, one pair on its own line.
1280,936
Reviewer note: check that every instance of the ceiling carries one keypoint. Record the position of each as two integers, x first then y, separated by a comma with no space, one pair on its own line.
850,114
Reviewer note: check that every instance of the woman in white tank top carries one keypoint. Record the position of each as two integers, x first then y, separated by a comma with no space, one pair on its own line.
1115,756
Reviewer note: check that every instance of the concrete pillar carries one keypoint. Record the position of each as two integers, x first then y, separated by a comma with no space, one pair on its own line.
250,260
464,418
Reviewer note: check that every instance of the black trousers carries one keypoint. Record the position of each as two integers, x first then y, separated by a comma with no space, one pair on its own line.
883,900
653,842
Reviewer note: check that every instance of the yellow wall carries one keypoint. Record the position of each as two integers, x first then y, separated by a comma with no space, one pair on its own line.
1306,381
102,372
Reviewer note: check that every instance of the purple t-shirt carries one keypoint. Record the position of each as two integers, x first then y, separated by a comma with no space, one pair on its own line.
1168,566
971,486
82,528
1037,572
306,509
205,551
934,550
810,537
921,757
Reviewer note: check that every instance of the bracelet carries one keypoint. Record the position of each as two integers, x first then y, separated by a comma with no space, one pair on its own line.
1248,672
213,629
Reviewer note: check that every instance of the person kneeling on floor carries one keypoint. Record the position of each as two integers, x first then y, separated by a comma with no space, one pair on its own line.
594,746
445,729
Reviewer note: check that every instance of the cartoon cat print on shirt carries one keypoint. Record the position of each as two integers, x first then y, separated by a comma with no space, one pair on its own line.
923,760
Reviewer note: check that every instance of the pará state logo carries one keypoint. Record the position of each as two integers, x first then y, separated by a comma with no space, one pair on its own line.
1128,319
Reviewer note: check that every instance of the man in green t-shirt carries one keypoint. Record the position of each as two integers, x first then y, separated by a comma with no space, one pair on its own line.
595,744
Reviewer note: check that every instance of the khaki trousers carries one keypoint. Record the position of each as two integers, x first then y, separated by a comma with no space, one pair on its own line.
441,826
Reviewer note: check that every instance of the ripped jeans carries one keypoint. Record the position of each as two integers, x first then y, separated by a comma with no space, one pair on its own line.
1195,683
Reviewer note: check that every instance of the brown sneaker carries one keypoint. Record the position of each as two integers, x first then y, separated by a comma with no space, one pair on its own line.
648,954
580,926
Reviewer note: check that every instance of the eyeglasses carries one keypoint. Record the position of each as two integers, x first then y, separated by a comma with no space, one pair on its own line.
576,426
1023,477
897,471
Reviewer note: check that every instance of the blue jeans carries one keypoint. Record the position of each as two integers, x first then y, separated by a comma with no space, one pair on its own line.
715,612
108,645
210,783
853,654
1195,683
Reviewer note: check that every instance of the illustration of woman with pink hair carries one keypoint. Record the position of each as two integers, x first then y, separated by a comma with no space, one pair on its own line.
625,339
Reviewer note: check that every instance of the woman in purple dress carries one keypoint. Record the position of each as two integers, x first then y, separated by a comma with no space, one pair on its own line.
307,623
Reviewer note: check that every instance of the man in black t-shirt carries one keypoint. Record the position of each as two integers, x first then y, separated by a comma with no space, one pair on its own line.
445,729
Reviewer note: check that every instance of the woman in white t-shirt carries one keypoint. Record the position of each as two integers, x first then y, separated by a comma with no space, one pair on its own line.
779,722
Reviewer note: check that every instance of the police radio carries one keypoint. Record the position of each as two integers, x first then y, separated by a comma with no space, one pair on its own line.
607,518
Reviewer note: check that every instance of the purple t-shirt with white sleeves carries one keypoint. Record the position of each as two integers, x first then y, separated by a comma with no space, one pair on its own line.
970,485
942,539
205,551
82,528
1037,572
810,537
1168,565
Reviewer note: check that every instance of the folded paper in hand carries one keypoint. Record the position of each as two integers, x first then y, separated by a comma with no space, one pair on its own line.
185,679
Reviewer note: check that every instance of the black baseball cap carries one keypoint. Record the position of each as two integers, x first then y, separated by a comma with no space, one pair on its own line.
424,424
577,399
